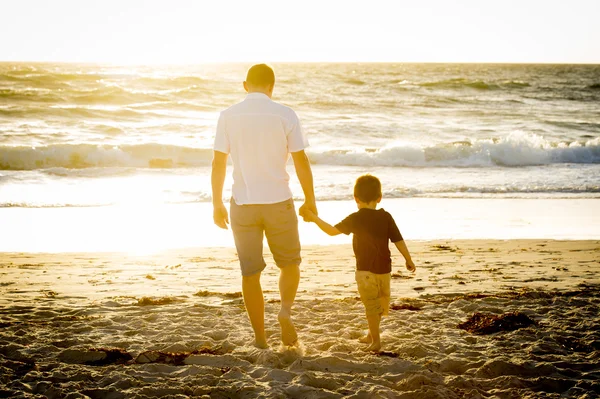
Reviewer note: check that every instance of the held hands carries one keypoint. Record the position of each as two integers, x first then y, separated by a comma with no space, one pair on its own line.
410,266
308,211
309,216
220,215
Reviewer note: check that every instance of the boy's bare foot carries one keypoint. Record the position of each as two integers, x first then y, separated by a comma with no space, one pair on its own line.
288,331
366,339
374,347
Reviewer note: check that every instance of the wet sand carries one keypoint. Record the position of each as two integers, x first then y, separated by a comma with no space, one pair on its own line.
179,322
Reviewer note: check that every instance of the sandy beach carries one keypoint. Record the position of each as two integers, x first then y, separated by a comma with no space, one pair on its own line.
113,325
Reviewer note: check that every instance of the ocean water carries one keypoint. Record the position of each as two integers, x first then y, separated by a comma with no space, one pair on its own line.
85,135
100,135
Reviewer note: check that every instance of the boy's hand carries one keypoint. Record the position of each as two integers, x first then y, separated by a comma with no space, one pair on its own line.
410,266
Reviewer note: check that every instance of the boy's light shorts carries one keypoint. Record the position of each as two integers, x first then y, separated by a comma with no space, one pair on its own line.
278,222
374,290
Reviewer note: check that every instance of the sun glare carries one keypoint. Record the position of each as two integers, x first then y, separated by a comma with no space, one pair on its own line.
157,32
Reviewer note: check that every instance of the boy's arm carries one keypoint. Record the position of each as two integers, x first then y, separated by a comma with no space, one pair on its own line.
401,245
326,227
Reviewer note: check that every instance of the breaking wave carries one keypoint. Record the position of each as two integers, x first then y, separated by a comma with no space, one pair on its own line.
514,150
93,156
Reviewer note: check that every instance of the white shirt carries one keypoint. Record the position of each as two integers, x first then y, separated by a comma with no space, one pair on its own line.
259,134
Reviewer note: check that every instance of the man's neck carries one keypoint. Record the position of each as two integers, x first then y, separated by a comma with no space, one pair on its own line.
266,93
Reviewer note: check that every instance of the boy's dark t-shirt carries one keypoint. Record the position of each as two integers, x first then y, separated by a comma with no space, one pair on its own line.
372,230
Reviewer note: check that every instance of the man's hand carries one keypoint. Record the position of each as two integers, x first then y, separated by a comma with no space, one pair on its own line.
308,207
410,266
309,216
217,178
220,215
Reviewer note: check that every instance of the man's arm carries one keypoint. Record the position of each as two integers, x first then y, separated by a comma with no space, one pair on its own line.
304,173
401,245
217,179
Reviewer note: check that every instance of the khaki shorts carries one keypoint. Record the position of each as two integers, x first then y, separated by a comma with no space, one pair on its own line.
278,222
374,290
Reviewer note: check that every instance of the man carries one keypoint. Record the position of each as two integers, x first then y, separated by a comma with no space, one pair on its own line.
259,134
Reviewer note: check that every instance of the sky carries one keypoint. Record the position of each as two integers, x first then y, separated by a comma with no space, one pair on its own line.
196,31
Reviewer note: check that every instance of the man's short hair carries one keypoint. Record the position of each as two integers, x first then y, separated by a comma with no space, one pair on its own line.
367,188
260,75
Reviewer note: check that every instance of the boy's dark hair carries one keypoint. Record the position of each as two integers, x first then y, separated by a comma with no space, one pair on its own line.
367,188
260,75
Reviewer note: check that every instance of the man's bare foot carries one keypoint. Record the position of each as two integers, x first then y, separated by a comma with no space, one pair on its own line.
260,344
366,339
374,347
288,331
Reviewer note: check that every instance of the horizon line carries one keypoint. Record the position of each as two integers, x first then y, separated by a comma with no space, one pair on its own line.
296,62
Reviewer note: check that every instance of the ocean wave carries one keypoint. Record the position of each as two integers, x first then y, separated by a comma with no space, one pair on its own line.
30,95
515,83
356,82
514,150
113,94
463,83
46,78
172,81
49,79
114,114
44,206
128,112
91,156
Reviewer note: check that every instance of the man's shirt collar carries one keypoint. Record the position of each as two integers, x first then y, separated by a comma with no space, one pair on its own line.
257,96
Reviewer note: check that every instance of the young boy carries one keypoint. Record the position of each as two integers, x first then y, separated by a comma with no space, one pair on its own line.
372,230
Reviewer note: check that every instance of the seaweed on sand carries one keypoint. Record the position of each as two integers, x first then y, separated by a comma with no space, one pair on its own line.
483,324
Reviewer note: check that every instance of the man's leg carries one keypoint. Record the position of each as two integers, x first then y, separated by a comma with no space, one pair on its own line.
281,229
248,235
289,279
255,306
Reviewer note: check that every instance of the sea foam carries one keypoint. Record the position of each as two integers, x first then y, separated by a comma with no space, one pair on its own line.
517,149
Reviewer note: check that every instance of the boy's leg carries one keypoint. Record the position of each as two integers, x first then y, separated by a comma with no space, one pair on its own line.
374,320
255,306
368,287
385,282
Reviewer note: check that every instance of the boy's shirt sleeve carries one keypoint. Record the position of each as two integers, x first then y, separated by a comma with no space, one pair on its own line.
393,231
346,226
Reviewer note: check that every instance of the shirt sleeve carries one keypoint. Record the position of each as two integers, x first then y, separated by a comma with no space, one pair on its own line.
346,226
221,137
393,231
296,139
